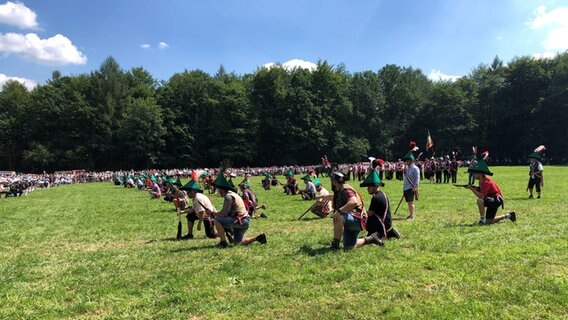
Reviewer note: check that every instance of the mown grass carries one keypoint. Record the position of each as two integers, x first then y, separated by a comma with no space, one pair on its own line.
101,251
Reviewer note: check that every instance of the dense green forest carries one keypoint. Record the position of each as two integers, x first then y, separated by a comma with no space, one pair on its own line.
121,119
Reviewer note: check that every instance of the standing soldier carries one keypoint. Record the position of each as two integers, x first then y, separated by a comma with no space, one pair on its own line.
447,164
535,171
411,181
454,170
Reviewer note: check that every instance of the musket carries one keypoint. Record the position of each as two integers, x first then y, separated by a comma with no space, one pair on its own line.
310,208
323,204
395,211
466,185
462,185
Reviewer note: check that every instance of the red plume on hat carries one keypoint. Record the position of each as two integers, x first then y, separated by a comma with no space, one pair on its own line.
413,146
485,154
540,149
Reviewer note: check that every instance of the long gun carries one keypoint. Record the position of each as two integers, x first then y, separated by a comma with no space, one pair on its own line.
303,214
465,186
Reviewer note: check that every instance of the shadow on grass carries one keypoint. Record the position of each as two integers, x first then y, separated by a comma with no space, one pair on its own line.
211,246
519,198
315,252
166,239
308,218
462,224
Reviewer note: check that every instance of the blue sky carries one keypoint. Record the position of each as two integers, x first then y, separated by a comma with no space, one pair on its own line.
443,38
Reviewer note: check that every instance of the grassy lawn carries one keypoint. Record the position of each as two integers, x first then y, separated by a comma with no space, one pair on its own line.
101,251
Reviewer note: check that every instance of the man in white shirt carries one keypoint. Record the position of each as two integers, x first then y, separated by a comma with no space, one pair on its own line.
202,210
411,183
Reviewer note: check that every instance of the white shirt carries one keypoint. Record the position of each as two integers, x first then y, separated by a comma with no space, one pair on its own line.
202,202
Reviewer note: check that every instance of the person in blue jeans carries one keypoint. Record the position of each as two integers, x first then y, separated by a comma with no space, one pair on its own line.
233,215
349,217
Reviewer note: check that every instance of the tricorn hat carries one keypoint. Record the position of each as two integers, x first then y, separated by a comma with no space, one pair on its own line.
192,185
178,183
307,177
372,179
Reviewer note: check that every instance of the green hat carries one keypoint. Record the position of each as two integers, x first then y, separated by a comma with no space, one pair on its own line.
170,180
289,173
317,181
372,179
535,155
153,179
409,156
481,167
178,182
192,185
307,177
222,183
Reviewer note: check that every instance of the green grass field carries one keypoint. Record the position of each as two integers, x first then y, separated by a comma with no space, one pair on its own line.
101,251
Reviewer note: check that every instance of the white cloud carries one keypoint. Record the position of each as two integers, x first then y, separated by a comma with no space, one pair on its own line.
437,75
555,24
57,50
145,46
30,84
163,45
17,14
544,55
290,65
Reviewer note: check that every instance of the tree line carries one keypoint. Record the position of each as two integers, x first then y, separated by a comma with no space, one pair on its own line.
120,119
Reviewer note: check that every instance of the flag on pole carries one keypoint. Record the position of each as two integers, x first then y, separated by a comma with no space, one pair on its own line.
429,142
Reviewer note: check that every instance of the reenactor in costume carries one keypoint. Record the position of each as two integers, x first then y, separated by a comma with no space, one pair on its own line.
488,195
266,181
233,215
310,192
447,165
349,217
400,168
291,186
411,181
454,170
536,178
251,201
202,210
155,191
378,216
322,207
472,164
